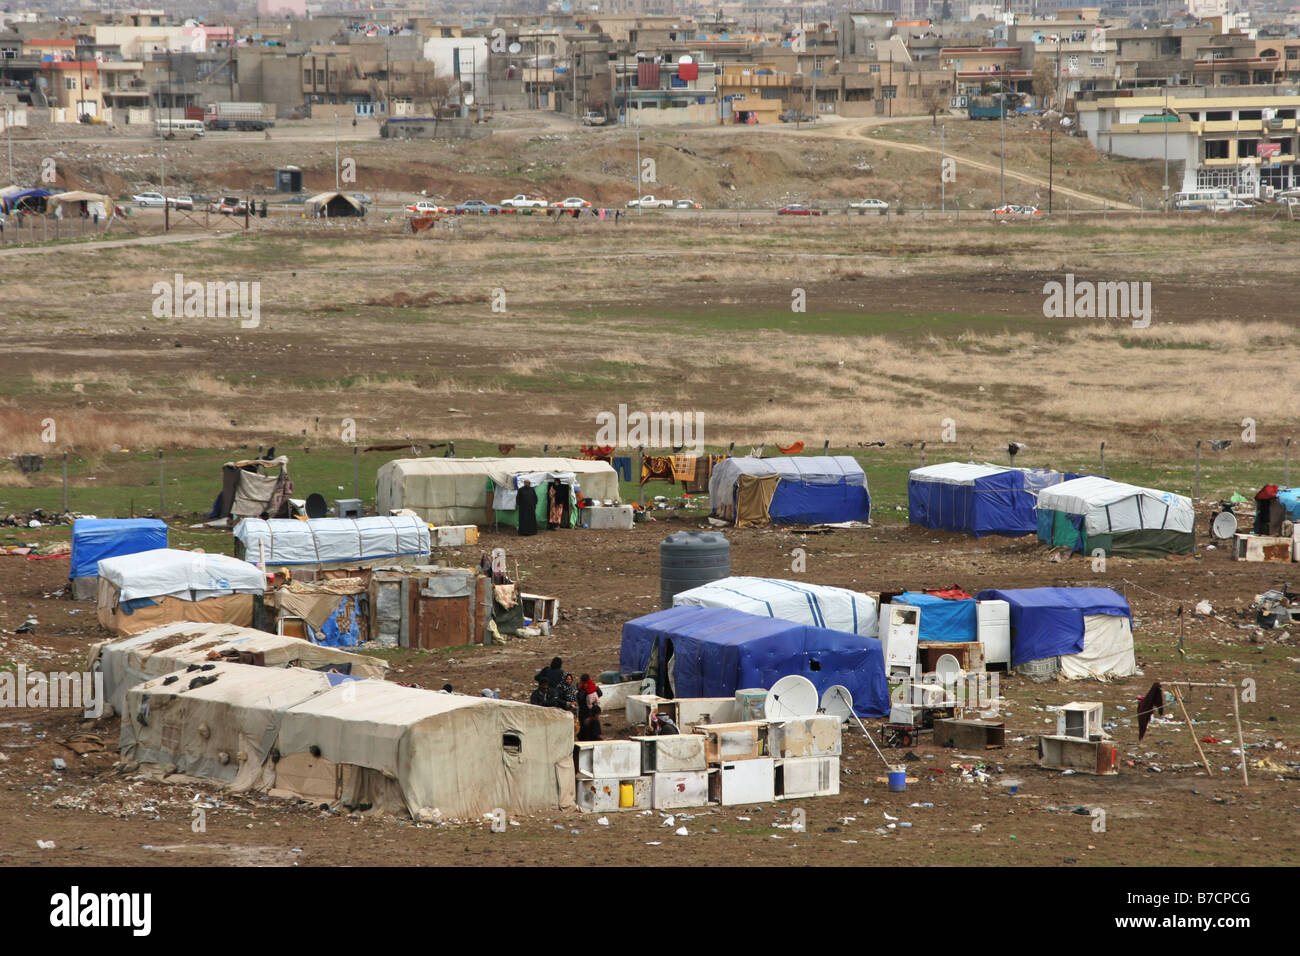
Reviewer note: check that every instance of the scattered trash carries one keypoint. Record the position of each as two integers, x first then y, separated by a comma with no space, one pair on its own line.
45,844
680,831
602,821
60,763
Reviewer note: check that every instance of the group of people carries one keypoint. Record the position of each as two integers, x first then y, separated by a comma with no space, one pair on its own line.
556,687
557,494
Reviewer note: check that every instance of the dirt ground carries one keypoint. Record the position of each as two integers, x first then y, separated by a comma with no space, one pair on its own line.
1161,809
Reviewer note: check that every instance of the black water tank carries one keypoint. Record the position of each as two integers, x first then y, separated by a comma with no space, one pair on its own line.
688,559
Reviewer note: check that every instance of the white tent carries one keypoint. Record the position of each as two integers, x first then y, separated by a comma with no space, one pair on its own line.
1093,513
450,491
1107,650
814,604
355,542
174,647
143,590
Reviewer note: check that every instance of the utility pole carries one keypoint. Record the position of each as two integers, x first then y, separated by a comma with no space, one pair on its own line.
1164,120
638,161
9,130
336,150
943,179
1002,132
1051,158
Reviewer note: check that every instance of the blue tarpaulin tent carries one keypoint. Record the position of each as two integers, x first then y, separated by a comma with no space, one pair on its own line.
942,619
717,651
1047,622
94,539
813,490
977,499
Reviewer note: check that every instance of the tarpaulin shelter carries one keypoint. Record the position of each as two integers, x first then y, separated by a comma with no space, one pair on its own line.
1089,629
330,738
164,586
451,491
790,490
943,619
819,605
1091,513
1274,505
128,661
332,205
336,542
713,652
94,539
30,199
977,499
247,491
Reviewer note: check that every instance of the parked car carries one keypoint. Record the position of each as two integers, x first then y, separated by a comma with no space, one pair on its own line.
180,202
524,202
798,209
573,202
363,198
426,208
687,204
649,202
146,200
1012,209
231,206
1240,204
869,204
476,207
593,118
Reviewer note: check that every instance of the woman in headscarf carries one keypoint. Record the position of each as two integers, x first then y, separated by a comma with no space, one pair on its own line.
526,503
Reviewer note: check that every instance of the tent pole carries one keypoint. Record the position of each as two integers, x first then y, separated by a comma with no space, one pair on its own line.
1178,696
162,490
1241,740
1196,493
65,482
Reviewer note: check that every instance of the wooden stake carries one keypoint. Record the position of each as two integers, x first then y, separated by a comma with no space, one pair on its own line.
1179,697
1241,741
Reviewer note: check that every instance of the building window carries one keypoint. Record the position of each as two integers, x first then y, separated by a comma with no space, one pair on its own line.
1096,61
306,77
1216,149
873,68
320,77
69,83
888,92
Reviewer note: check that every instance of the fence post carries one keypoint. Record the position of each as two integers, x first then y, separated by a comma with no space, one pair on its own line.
65,482
162,488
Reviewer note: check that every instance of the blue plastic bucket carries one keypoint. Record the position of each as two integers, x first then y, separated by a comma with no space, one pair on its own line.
898,780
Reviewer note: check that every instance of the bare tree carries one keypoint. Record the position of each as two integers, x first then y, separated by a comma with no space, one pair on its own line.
933,100
1044,82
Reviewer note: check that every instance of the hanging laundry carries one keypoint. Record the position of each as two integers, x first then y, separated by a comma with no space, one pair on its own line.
791,449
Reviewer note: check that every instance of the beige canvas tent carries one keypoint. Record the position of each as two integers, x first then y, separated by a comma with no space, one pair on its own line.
453,491
71,204
359,743
422,751
174,647
165,586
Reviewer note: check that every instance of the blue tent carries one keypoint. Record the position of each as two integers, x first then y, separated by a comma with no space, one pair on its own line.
813,490
94,539
943,619
717,651
1047,622
977,499
11,201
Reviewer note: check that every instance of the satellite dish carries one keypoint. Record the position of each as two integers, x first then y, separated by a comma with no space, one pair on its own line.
316,506
469,99
838,702
948,669
1224,525
514,48
792,696
685,58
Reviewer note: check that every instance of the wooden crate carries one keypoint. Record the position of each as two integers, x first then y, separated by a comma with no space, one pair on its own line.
744,740
970,654
541,607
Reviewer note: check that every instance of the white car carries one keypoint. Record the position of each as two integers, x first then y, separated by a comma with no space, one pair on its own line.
150,199
649,202
869,204
687,204
573,202
425,208
523,202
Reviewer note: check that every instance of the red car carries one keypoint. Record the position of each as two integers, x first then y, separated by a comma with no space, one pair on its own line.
798,209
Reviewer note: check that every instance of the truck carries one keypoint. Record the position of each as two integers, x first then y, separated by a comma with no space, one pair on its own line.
649,202
243,116
987,107
523,201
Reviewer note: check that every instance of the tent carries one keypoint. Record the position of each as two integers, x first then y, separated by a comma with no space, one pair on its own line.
1274,505
943,619
1089,629
76,202
164,586
451,491
1092,513
158,651
790,490
713,652
331,738
977,499
94,539
32,200
248,492
425,752
340,542
332,205
837,608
